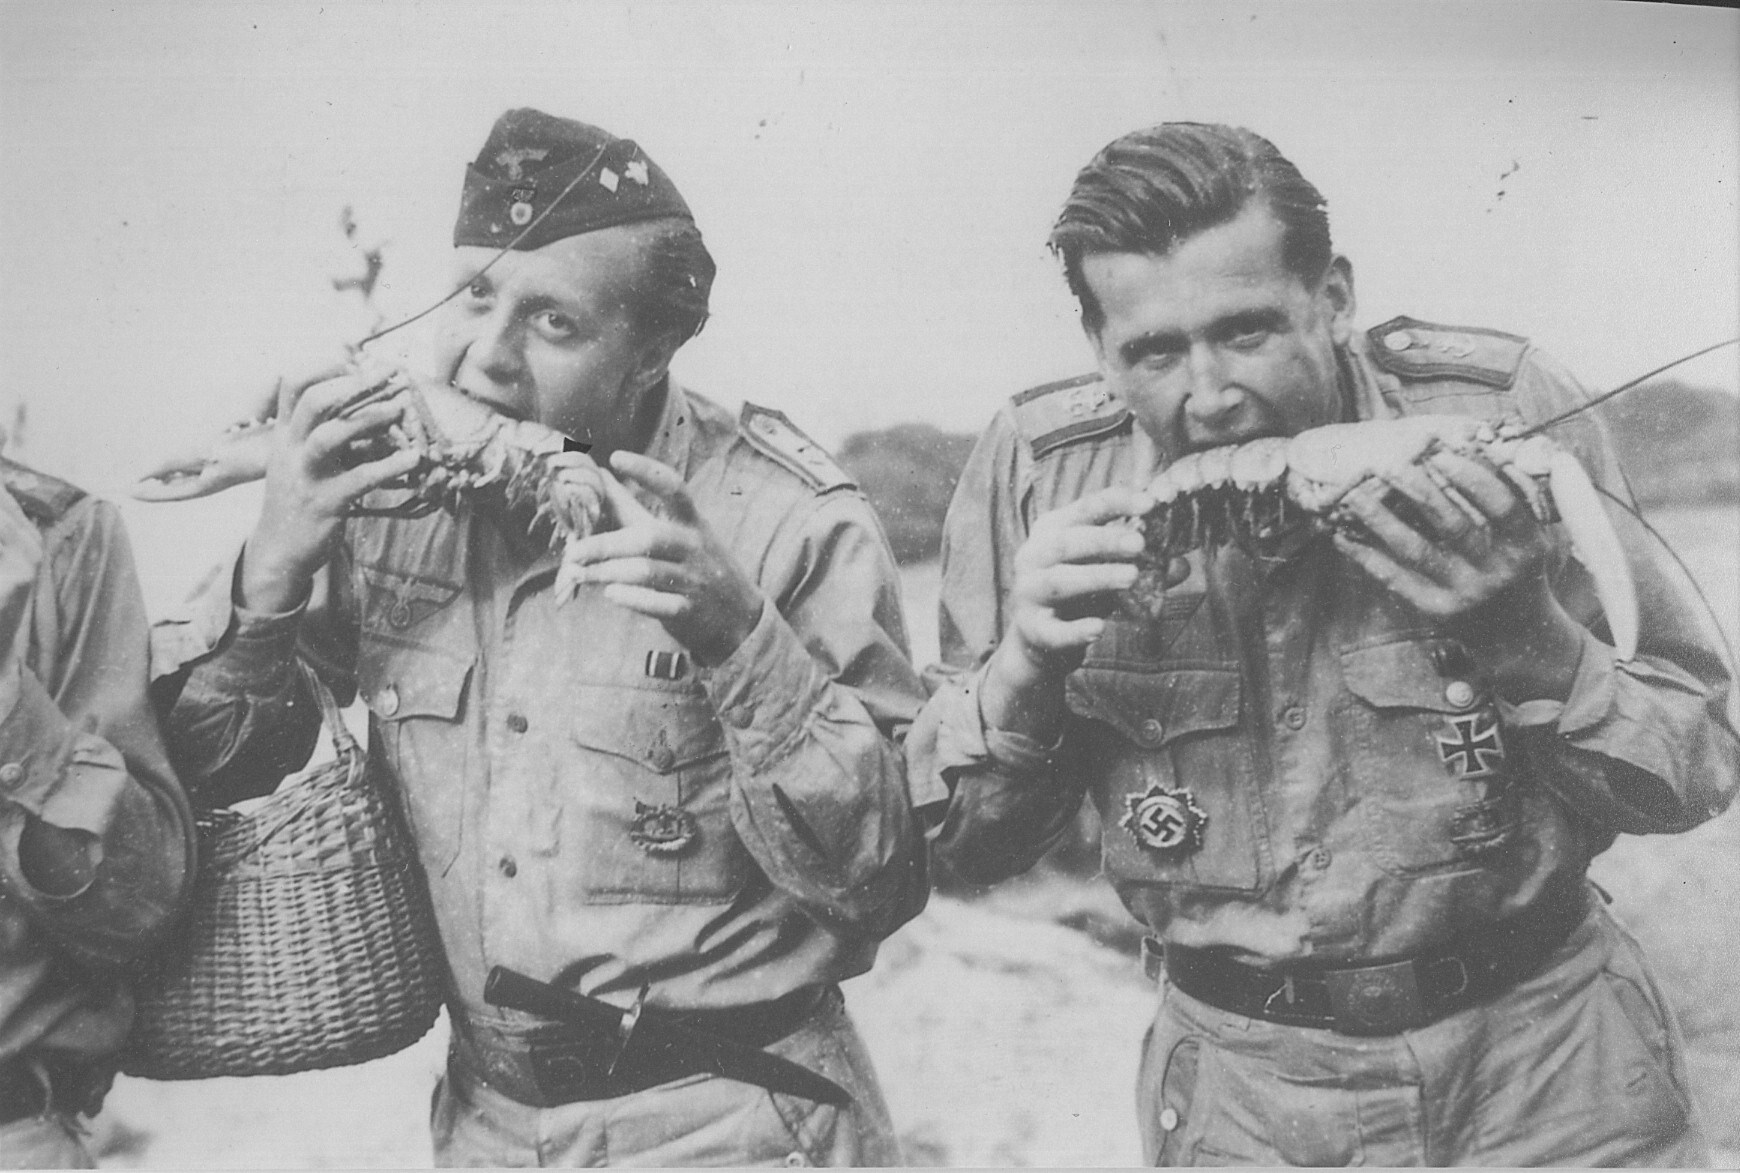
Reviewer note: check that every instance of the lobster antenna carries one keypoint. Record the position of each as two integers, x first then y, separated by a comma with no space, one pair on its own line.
505,249
1606,395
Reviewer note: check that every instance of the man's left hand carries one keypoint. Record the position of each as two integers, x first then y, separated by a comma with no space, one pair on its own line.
664,562
1472,556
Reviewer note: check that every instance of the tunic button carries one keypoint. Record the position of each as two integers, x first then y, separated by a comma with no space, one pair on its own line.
1294,717
10,773
662,758
1153,732
1319,858
1398,340
1168,1119
796,1160
1459,693
517,723
387,701
509,868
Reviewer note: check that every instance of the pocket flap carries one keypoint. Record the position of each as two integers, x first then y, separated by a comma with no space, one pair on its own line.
1153,709
1397,675
396,684
661,729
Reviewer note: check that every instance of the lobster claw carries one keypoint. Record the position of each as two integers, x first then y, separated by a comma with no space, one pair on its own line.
1596,545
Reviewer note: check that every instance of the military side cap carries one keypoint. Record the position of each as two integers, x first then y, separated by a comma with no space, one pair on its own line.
540,178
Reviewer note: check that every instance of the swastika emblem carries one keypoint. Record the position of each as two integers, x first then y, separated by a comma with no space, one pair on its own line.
1474,749
1164,820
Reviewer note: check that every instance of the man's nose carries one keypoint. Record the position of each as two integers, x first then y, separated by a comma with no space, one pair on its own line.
1211,394
496,349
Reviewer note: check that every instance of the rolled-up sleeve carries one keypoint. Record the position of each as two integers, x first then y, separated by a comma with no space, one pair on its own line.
996,800
87,794
815,704
236,715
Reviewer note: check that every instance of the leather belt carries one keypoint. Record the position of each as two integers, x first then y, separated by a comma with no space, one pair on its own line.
559,1063
1385,998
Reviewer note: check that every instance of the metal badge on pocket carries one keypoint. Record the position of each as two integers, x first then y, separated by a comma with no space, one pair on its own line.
1472,747
659,829
1165,820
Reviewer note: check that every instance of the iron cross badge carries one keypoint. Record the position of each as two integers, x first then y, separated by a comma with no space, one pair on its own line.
1473,748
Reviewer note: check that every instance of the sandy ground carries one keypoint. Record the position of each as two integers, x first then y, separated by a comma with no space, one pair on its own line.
1003,1037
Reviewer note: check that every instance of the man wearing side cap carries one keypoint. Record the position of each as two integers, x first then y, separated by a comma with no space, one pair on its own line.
684,785
1349,782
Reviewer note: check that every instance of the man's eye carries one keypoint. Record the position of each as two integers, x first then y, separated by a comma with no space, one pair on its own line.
477,290
557,325
1248,339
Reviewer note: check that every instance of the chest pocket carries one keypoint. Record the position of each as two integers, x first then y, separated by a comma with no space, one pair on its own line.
1426,760
414,670
648,818
1174,739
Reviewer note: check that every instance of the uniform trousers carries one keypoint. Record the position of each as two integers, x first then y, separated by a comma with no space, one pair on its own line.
1581,1064
700,1120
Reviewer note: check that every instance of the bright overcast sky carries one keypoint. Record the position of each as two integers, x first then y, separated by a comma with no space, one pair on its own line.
876,179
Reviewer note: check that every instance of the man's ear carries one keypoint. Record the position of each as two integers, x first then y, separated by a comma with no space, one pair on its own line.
1337,292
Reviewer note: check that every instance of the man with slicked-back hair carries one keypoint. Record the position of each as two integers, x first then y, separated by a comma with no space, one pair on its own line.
1349,777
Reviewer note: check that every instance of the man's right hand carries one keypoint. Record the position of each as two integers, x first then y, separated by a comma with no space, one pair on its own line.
1068,575
309,488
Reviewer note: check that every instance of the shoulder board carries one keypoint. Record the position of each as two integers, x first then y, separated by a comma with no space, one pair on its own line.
44,499
1421,350
770,433
1055,414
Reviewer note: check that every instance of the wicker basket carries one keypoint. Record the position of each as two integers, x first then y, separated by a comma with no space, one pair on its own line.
309,941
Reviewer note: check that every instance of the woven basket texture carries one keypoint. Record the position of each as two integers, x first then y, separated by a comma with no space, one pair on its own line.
309,941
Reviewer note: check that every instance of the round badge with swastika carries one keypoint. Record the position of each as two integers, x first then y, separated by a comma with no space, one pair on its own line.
1165,820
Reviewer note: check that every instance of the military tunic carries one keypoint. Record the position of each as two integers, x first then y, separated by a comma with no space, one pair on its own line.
80,752
1291,764
591,807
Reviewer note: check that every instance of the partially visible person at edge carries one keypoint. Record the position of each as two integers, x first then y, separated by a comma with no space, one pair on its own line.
1351,787
96,839
689,777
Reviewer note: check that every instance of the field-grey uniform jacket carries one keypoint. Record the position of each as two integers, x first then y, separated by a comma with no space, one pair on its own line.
1292,763
591,807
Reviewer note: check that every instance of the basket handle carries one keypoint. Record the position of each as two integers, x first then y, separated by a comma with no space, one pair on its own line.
344,743
342,738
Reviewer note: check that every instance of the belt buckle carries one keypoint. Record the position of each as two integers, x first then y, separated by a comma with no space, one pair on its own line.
1375,999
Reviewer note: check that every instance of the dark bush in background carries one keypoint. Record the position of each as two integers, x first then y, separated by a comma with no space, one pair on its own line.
909,473
1679,443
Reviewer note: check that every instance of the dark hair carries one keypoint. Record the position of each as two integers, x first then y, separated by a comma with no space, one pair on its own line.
675,281
1150,189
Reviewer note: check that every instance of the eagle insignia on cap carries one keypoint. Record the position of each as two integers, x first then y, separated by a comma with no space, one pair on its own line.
637,172
513,159
1165,820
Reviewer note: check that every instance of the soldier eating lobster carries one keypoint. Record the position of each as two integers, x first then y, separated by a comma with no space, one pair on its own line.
1290,602
643,701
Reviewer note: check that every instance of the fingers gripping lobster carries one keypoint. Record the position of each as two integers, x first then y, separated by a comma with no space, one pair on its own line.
468,453
1262,490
